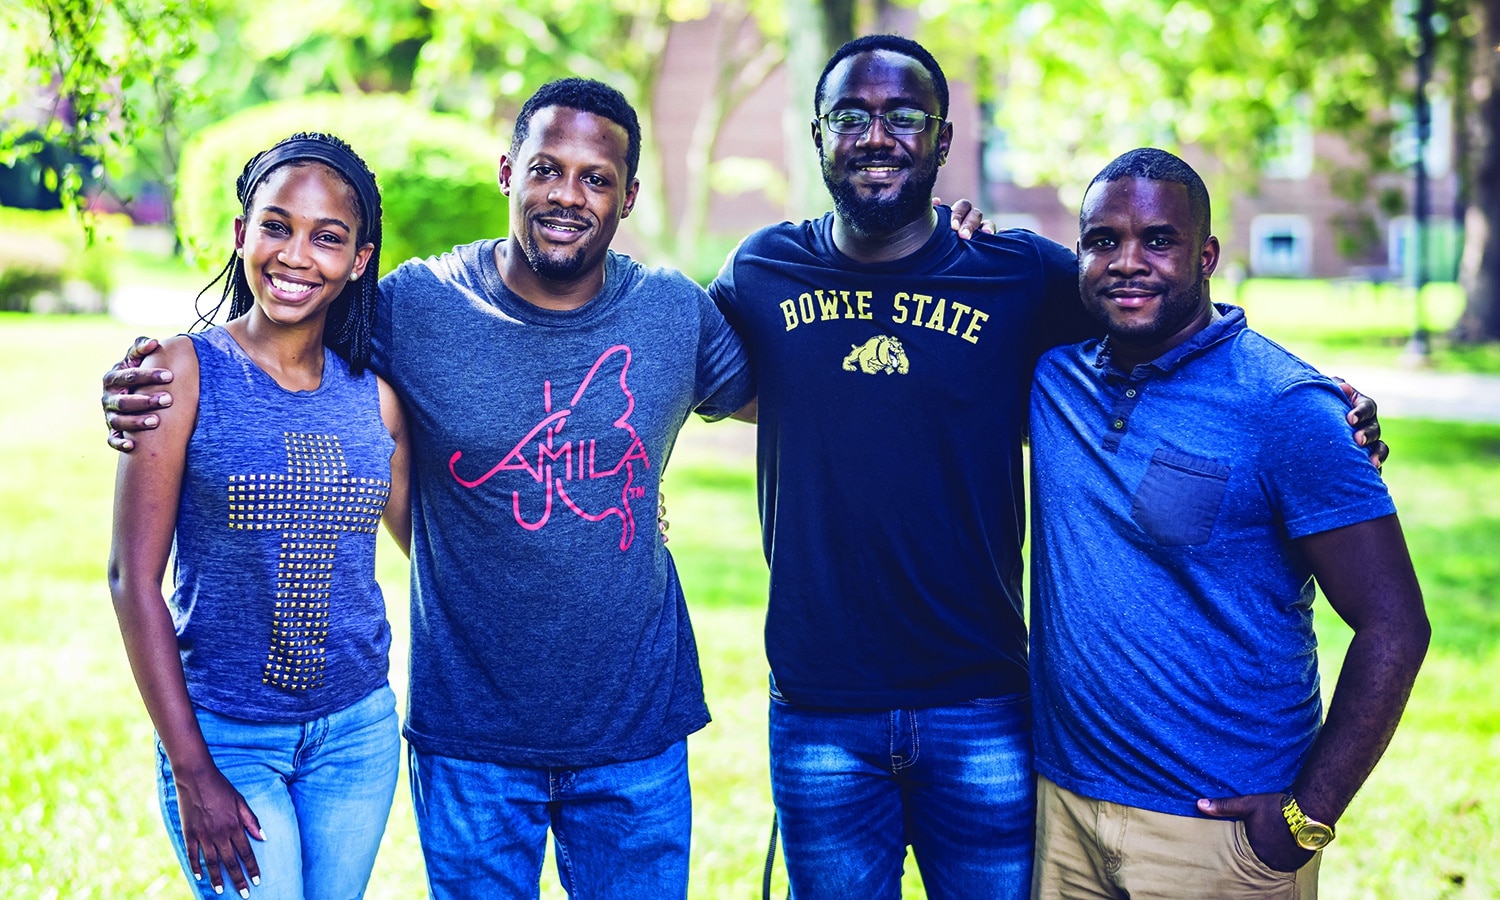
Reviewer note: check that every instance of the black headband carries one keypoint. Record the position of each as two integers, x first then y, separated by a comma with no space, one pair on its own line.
332,155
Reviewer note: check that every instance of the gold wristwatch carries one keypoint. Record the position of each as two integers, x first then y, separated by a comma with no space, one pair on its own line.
1310,834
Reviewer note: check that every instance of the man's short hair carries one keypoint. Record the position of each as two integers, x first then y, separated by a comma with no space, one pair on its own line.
1159,165
896,44
585,95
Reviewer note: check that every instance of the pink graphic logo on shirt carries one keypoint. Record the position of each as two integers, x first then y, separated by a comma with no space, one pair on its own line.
557,463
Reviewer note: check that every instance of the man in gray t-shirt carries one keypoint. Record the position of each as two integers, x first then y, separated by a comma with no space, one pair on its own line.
554,676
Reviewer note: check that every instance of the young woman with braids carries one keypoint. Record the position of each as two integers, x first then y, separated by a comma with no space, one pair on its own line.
265,671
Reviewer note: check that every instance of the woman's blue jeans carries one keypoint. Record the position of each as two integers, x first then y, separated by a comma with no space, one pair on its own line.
321,790
853,789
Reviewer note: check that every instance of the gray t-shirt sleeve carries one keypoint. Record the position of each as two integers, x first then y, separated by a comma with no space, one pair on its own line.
725,382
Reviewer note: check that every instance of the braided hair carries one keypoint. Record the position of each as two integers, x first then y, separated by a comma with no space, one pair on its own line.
351,317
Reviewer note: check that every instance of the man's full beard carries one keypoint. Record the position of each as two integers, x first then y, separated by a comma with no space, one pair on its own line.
882,215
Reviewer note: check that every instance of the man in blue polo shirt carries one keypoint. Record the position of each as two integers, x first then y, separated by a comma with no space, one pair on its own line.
1173,654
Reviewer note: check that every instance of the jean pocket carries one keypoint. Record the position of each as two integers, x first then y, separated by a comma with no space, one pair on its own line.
1178,500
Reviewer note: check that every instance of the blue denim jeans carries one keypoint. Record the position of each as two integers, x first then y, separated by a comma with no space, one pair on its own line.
321,790
620,830
853,789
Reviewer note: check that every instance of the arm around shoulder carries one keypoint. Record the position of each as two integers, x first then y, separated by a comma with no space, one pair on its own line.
129,404
148,485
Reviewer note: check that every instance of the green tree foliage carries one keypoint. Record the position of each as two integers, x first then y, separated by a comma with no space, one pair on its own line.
108,81
436,172
479,58
1082,80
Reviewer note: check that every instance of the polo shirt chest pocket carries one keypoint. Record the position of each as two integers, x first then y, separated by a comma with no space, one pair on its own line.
1178,500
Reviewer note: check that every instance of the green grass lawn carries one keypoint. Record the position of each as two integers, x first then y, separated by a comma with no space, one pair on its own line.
77,808
1358,324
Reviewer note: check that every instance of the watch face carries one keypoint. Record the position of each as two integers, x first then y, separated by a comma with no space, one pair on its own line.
1314,836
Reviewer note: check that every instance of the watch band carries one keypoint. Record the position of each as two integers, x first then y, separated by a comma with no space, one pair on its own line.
1310,834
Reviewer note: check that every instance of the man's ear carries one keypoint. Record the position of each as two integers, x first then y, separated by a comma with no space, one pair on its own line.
944,141
817,134
1209,257
635,186
505,173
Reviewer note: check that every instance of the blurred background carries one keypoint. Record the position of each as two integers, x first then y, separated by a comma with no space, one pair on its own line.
1350,147
1342,139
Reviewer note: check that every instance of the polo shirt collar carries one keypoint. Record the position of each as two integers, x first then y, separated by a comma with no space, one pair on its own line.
1231,321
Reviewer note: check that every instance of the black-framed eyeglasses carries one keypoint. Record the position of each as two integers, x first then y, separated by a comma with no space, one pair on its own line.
897,121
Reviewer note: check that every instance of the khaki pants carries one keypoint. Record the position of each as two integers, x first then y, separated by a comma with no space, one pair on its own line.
1092,848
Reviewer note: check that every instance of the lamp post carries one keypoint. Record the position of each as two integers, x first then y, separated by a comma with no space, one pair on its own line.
1419,347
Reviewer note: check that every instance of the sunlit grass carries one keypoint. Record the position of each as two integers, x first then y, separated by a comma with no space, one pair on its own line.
1342,324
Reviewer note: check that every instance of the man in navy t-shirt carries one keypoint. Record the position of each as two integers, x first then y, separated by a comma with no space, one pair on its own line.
892,361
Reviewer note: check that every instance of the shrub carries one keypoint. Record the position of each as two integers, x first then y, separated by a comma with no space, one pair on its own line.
48,252
437,172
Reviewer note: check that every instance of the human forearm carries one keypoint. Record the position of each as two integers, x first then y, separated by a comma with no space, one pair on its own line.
214,817
1366,573
1373,687
151,649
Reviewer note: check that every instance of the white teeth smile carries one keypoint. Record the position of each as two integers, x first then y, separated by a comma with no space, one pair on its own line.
289,287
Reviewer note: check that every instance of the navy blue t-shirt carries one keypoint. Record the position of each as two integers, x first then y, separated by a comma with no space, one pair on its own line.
892,411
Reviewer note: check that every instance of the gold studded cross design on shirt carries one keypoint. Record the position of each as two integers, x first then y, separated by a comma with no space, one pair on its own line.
311,504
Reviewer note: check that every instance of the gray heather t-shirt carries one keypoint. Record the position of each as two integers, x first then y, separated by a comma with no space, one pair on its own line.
548,625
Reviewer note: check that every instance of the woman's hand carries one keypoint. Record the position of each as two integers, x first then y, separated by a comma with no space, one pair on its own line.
215,822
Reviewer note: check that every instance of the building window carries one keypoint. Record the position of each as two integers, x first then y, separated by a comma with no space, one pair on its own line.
1445,247
1439,155
1280,246
1289,153
995,151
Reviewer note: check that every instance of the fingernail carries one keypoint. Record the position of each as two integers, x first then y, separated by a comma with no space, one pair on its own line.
255,880
150,420
198,875
245,892
218,889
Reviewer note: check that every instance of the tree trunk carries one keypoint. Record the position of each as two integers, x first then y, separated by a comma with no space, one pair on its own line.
838,24
1481,267
806,52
